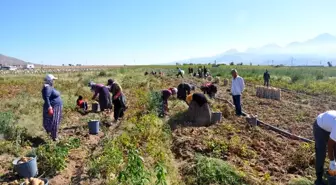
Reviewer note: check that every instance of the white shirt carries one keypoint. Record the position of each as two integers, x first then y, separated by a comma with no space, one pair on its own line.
237,85
328,123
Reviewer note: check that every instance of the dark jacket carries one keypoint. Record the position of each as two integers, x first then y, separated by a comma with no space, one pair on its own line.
267,76
199,98
183,90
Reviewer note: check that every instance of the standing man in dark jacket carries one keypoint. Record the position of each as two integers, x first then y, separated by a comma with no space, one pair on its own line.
267,77
183,90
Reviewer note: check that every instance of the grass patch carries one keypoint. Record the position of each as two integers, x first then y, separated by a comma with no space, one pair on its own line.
215,171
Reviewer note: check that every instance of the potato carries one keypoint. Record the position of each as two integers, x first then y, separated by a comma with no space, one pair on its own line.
35,182
26,182
42,182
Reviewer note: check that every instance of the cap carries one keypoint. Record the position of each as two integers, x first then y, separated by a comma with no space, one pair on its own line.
110,82
50,77
233,71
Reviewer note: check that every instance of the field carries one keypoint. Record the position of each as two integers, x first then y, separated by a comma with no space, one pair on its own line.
146,149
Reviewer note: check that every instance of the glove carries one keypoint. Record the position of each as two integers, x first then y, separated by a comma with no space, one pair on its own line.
50,111
332,165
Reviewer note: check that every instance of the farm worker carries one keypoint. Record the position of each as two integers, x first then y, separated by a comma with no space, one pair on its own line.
324,130
267,77
237,88
81,103
52,107
209,89
199,112
200,72
118,99
205,71
183,90
166,94
180,72
104,98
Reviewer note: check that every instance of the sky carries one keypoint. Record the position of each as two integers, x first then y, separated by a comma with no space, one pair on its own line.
110,32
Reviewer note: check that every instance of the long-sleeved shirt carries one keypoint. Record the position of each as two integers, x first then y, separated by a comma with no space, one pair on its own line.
327,122
98,88
267,76
115,89
51,96
166,94
237,86
183,90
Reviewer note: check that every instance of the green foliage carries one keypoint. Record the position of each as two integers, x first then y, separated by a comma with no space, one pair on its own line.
218,147
10,130
102,74
135,172
296,77
9,147
320,76
215,171
300,181
302,157
161,173
108,162
237,146
52,157
154,102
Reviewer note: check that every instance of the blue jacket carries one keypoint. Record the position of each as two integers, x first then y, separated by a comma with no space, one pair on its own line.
51,97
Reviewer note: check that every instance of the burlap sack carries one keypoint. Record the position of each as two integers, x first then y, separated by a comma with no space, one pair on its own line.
199,115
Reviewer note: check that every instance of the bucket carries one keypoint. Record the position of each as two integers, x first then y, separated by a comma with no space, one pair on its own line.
252,120
93,126
27,169
95,107
46,181
216,117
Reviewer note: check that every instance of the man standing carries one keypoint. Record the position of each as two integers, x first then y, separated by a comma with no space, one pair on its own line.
324,130
237,88
266,78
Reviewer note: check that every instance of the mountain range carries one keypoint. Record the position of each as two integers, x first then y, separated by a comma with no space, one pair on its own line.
8,61
316,51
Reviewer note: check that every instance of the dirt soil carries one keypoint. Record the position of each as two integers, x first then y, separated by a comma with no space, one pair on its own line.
294,113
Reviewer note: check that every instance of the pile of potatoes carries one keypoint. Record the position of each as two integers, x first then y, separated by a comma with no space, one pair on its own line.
24,160
34,181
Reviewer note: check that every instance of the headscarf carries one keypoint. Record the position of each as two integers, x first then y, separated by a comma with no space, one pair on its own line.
92,85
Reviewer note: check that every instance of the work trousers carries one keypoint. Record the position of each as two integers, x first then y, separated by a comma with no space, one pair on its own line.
237,104
321,140
266,83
